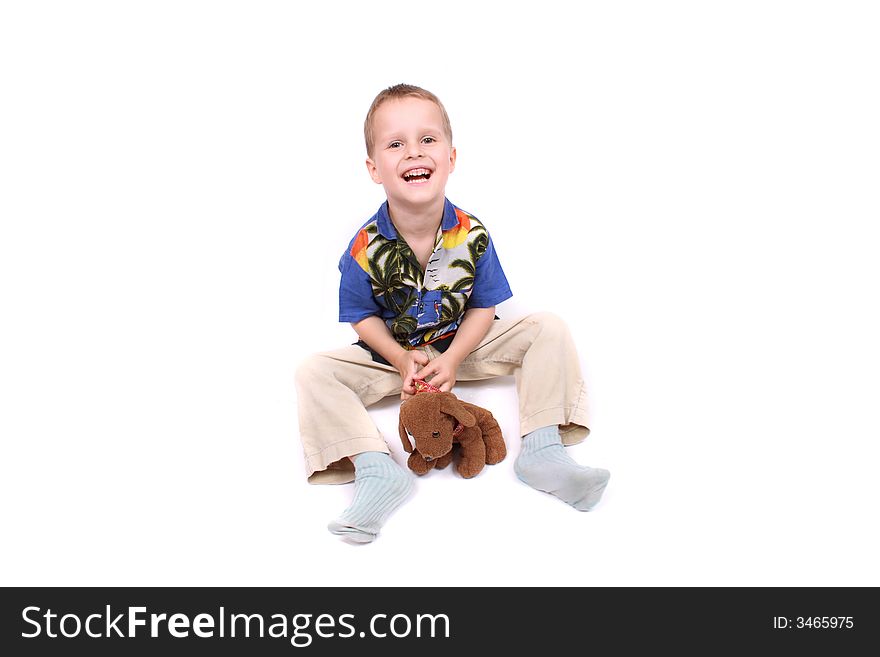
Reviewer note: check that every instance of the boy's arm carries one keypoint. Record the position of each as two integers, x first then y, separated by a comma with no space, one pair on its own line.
474,326
375,333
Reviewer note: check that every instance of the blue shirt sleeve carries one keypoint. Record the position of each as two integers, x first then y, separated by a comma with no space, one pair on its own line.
356,300
490,283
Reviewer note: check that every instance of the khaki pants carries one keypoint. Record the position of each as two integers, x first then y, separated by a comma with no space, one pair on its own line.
334,389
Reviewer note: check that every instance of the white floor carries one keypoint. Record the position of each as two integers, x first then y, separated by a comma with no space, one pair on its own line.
206,488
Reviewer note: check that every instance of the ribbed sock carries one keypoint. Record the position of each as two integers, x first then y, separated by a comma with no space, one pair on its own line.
544,464
380,487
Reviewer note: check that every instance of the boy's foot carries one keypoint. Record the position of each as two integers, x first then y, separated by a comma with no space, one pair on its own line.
543,464
380,487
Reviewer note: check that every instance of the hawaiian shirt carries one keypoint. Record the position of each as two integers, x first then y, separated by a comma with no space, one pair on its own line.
381,276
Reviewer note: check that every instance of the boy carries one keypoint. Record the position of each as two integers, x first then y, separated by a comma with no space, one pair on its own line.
420,282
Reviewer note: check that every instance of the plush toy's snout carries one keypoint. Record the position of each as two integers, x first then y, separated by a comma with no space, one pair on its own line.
435,435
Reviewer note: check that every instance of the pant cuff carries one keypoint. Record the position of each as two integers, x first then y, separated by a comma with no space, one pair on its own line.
331,465
572,424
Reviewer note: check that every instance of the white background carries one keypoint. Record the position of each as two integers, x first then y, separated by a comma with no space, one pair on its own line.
693,186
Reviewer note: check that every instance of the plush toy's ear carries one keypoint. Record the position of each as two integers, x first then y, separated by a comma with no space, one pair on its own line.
452,406
404,438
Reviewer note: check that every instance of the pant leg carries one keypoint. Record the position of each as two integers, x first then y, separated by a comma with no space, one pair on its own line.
539,352
333,390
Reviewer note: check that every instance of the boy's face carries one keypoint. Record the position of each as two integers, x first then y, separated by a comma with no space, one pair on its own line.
408,135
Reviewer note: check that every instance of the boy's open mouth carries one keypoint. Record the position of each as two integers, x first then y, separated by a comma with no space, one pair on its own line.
417,175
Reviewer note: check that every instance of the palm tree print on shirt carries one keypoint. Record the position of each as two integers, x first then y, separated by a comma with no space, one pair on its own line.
423,307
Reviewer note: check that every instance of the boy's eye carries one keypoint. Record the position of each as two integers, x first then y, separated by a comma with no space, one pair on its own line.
427,140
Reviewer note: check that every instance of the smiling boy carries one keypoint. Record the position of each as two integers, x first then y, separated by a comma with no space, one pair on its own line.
419,283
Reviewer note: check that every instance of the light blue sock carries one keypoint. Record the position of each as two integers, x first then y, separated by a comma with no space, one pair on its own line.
380,487
544,464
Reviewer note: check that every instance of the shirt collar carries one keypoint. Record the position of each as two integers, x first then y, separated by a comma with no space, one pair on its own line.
386,228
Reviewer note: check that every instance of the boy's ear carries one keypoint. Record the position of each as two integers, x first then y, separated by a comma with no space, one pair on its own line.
452,154
373,171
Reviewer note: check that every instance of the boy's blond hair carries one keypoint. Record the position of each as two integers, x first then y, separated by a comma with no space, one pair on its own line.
402,91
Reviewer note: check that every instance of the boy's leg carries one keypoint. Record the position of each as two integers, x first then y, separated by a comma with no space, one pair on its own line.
342,443
333,391
539,352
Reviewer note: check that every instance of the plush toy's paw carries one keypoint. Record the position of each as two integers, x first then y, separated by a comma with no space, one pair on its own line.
495,453
417,463
468,468
443,461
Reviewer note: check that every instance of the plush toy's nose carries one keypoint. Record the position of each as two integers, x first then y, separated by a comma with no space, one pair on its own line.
429,458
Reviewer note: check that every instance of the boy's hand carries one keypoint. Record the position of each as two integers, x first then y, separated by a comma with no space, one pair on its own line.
443,369
407,364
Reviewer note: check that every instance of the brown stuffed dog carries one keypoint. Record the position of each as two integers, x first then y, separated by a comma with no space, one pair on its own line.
438,420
